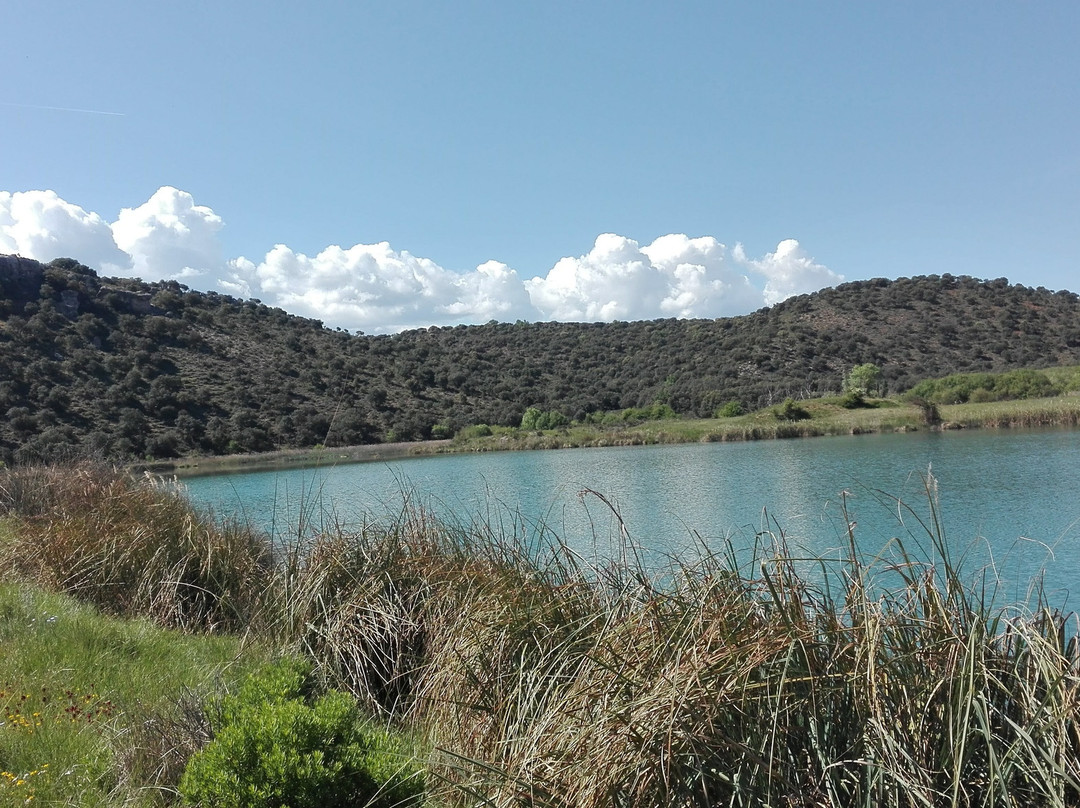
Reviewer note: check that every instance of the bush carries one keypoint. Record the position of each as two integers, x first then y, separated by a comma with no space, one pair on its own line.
731,410
790,411
474,431
536,419
276,746
853,400
865,379
960,388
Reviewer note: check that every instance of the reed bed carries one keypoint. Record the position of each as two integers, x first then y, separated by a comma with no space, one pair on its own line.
130,546
537,677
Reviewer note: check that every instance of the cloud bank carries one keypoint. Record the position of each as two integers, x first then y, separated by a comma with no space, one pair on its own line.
376,289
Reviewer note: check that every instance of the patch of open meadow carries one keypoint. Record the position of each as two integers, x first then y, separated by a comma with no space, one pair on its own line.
98,710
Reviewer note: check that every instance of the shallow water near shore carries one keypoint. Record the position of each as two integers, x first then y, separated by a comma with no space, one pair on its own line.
1009,499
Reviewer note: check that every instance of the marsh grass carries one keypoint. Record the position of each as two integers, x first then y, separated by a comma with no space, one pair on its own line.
1062,411
130,546
532,675
540,679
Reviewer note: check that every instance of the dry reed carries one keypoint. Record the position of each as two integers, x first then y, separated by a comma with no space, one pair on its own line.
539,678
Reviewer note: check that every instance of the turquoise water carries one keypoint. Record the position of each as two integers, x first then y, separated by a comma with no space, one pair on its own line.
1009,500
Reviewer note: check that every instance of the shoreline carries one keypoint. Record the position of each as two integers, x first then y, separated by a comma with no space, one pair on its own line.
828,420
204,465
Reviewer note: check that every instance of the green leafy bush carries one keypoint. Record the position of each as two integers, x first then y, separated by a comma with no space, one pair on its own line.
960,388
853,400
790,411
731,409
864,379
535,418
278,746
473,431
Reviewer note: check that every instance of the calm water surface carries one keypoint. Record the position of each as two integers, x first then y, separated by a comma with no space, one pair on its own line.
1009,500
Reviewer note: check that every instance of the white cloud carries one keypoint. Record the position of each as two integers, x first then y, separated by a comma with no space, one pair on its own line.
42,226
374,288
613,281
675,276
789,271
169,236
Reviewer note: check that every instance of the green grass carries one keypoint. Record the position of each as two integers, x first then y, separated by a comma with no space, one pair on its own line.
827,416
98,710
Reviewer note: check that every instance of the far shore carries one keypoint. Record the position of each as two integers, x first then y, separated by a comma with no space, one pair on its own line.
292,458
826,417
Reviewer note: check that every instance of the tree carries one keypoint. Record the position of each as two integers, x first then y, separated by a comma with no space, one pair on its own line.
864,379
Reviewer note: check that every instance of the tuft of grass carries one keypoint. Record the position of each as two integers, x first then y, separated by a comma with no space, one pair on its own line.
541,679
130,546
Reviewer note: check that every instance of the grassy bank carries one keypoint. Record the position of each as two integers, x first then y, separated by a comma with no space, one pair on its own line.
99,711
820,417
290,458
526,675
824,416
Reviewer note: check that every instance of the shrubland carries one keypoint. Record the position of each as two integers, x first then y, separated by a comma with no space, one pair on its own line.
122,369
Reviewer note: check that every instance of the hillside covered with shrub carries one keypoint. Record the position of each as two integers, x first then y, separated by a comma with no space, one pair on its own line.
121,368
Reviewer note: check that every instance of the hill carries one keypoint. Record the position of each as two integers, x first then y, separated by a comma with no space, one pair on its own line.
123,368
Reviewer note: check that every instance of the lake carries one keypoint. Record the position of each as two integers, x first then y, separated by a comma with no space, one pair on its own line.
1009,499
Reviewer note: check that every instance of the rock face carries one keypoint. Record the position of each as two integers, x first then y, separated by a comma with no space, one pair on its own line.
21,276
68,304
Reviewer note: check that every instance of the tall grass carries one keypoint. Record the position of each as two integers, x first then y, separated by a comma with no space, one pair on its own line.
130,546
538,677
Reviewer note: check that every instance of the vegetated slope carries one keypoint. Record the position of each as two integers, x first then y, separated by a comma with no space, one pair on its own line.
122,368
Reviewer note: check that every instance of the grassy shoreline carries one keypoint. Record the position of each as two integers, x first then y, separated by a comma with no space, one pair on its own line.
826,418
527,675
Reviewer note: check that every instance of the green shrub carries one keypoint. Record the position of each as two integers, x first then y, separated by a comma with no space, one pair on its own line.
277,746
960,388
865,379
853,400
731,410
537,419
474,431
790,411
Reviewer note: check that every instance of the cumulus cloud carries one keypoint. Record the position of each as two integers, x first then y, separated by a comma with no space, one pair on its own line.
788,271
169,236
675,276
375,288
41,225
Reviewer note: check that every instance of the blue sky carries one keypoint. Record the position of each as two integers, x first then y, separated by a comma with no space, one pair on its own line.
490,160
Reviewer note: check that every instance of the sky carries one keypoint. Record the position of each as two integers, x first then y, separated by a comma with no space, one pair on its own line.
390,165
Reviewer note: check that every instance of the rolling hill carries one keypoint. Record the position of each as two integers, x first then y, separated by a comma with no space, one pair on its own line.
126,369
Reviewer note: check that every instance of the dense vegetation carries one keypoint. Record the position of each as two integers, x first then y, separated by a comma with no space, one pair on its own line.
500,668
121,368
